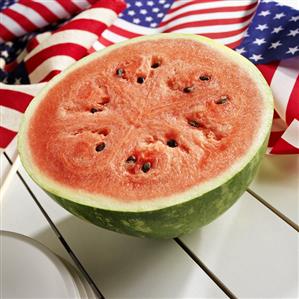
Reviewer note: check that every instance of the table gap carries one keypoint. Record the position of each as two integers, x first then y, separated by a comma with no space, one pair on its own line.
274,210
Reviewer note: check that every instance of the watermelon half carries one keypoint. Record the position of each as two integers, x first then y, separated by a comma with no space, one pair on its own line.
151,137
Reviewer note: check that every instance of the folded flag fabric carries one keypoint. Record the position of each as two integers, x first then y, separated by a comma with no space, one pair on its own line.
38,39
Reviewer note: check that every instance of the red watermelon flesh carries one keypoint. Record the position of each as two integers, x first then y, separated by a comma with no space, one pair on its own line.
146,120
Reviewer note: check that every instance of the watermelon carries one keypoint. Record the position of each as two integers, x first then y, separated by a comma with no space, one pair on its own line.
151,137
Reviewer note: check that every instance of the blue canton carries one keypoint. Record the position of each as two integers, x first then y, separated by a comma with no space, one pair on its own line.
146,13
272,35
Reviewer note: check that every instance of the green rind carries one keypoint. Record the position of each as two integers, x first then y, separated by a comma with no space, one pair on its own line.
175,220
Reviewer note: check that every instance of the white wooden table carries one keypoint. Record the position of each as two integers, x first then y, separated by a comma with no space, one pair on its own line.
251,251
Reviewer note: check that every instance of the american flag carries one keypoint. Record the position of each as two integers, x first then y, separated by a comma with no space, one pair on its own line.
38,39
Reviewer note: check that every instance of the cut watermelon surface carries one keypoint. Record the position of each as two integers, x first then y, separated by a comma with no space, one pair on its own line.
151,137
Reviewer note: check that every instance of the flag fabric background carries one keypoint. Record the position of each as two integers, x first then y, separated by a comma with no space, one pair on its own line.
38,39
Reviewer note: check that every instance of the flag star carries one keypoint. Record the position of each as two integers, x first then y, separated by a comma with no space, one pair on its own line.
267,1
162,1
241,50
262,27
138,3
256,57
167,5
143,11
293,50
259,41
279,16
264,13
4,53
149,19
121,14
18,80
155,9
294,18
153,24
2,63
293,32
9,44
160,15
150,3
277,29
136,20
131,12
246,34
275,45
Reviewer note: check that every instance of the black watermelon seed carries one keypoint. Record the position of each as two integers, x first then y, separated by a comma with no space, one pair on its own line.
146,167
140,80
119,72
155,65
131,159
193,123
188,89
172,143
93,110
204,78
100,147
222,100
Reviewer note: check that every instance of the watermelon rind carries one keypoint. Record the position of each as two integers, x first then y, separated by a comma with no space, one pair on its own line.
168,216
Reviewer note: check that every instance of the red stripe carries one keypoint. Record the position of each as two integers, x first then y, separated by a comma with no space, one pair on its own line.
276,115
188,3
70,7
117,5
210,10
284,148
5,34
292,111
209,23
123,32
15,100
92,26
6,137
25,23
105,42
50,75
268,70
46,13
33,43
235,44
274,137
68,49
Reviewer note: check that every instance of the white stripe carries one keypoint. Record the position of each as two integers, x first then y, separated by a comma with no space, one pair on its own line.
104,15
59,63
208,5
134,28
113,37
208,17
231,39
10,118
82,4
212,28
291,135
98,46
283,82
43,36
79,37
30,14
21,56
56,8
30,89
278,125
11,25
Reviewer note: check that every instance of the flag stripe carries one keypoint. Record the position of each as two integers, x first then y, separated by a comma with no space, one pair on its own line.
14,27
224,8
25,23
210,25
285,75
10,118
30,15
14,99
292,111
268,70
43,10
6,137
72,50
